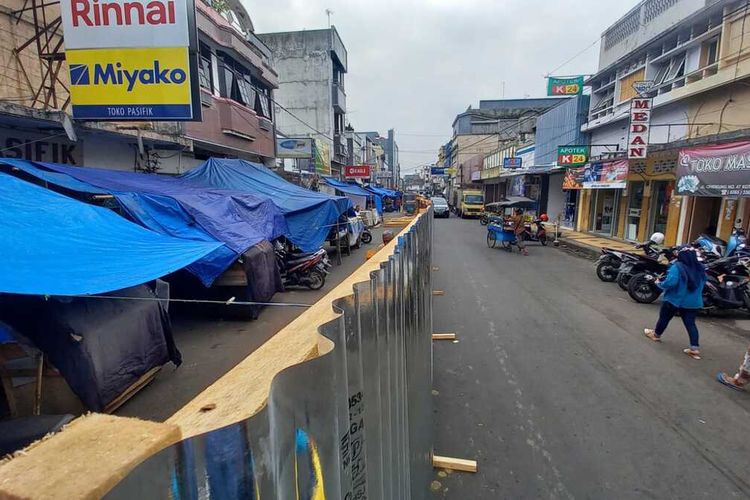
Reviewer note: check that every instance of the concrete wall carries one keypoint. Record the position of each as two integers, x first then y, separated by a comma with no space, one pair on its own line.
556,197
303,62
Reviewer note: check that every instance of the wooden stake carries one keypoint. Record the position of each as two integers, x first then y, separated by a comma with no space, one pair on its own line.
458,464
443,336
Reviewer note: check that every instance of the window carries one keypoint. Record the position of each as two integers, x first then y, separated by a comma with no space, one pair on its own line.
246,91
205,75
607,100
709,52
626,84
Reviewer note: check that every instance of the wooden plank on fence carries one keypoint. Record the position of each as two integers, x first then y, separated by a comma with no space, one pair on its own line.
443,336
458,464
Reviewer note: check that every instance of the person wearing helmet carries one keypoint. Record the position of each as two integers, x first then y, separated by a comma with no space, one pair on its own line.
683,294
657,238
544,218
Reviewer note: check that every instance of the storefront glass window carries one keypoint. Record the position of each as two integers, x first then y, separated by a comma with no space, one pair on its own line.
635,201
604,211
661,194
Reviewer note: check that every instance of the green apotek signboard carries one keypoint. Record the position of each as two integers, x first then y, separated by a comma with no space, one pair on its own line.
564,86
572,156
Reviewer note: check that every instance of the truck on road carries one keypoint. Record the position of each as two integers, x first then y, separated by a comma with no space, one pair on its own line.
469,202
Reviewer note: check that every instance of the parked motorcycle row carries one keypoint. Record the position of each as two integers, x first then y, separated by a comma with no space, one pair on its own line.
727,269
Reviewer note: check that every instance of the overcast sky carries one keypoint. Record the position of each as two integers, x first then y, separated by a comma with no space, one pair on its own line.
415,64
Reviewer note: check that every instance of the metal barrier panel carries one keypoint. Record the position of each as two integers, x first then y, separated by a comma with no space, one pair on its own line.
352,424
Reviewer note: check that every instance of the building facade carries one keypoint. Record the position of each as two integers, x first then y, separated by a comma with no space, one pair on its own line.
312,66
694,54
237,84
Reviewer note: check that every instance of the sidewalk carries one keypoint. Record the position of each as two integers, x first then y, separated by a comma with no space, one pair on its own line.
589,245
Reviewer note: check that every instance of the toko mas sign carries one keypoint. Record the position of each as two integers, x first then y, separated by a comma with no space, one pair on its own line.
132,60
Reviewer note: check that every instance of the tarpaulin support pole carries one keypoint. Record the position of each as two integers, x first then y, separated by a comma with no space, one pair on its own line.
338,244
38,390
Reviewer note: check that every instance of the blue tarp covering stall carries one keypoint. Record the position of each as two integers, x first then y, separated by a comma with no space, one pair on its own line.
309,214
54,245
175,207
384,192
355,190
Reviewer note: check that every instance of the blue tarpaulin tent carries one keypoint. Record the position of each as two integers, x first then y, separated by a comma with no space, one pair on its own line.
355,190
175,207
384,192
54,245
309,214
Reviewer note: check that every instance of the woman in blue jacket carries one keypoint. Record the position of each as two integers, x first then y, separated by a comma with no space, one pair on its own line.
683,293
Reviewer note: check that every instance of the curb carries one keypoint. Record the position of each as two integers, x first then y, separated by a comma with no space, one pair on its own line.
580,249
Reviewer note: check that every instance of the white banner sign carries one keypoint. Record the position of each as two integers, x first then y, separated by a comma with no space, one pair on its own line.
640,126
104,24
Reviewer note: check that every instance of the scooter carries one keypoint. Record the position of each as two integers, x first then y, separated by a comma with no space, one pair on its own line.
642,284
540,234
611,262
303,269
716,248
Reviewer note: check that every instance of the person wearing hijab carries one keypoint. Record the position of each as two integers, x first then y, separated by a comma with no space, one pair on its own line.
683,294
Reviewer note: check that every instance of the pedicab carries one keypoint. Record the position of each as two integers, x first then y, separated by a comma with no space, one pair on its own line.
499,226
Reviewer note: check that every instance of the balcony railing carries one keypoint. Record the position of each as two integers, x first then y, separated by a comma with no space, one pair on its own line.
339,98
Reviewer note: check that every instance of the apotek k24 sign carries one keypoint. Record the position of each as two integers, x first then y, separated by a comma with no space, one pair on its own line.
572,156
132,59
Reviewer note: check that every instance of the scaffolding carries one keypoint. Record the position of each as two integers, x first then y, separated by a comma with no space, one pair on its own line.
48,41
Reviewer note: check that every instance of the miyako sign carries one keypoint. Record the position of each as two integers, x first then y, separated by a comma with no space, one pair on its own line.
132,60
640,127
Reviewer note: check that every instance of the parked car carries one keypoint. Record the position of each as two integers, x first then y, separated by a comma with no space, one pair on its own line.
440,207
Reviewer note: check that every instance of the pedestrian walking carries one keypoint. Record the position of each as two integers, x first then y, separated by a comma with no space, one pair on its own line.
741,378
683,294
519,228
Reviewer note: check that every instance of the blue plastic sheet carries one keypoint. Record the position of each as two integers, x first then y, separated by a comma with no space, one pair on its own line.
384,192
174,207
355,190
309,214
54,245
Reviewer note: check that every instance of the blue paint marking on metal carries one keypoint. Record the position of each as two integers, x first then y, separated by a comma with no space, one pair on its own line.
352,424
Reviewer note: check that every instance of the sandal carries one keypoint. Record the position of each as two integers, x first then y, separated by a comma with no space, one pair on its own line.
693,354
648,332
723,379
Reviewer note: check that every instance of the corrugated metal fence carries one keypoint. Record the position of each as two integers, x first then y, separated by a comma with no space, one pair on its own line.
355,423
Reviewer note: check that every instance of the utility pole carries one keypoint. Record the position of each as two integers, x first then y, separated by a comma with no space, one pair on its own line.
328,13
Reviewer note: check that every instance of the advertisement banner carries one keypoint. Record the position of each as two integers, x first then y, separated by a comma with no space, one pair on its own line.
718,170
437,172
132,60
606,175
130,84
294,148
512,163
639,128
357,171
383,175
564,86
322,157
573,178
572,156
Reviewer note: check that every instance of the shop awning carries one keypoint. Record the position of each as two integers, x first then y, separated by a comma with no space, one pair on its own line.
715,170
309,214
535,170
355,190
55,245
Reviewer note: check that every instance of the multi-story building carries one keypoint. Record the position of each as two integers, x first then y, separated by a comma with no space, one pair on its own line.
311,96
236,79
477,132
695,56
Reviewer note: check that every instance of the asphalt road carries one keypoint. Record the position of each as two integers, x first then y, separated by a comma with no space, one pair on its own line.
556,393
211,346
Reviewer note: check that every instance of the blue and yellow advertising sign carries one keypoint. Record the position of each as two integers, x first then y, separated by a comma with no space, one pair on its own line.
131,84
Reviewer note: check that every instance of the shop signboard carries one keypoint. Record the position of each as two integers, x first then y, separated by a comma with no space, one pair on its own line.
437,172
294,148
639,129
32,146
716,170
564,86
357,171
512,163
133,60
573,178
606,175
322,157
383,175
572,156
476,175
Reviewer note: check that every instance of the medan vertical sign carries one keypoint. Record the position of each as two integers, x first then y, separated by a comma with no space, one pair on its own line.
132,59
640,128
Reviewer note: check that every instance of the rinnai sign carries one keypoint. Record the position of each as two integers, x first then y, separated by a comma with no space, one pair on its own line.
132,59
357,171
640,126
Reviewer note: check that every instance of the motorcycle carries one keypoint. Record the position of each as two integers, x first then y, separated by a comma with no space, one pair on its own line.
540,234
302,269
727,285
716,248
642,284
611,262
